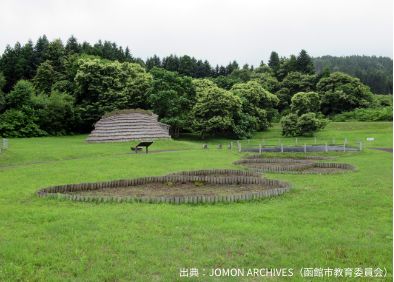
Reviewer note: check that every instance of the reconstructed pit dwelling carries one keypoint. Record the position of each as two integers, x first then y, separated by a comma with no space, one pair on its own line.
300,165
128,125
204,186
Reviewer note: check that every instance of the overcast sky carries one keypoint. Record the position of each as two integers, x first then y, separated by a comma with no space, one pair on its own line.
217,30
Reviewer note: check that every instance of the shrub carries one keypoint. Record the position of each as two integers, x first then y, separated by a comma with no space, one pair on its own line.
369,114
304,125
382,100
19,123
289,125
55,114
309,123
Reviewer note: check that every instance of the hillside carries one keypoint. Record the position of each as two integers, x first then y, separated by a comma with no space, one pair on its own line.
376,72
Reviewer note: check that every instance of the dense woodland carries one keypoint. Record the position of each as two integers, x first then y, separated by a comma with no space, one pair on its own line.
376,72
55,88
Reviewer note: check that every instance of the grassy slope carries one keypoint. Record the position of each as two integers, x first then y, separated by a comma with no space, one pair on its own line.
337,221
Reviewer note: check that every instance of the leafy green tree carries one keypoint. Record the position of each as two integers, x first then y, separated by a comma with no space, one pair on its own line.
268,81
122,85
287,65
289,125
226,81
171,97
215,111
293,83
21,95
45,77
309,123
254,97
376,72
304,102
104,86
304,125
56,54
55,113
341,92
252,94
19,123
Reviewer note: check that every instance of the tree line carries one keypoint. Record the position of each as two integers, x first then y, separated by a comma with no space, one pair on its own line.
51,88
376,72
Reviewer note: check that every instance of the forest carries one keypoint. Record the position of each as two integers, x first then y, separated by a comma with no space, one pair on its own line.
376,72
56,88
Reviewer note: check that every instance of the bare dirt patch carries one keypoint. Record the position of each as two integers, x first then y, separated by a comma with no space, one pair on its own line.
171,189
292,165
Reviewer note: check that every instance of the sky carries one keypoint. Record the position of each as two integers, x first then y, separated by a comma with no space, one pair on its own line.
217,30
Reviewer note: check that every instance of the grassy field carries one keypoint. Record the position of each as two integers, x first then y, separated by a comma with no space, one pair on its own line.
325,221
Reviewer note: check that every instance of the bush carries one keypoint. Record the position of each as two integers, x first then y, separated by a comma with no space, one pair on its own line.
309,123
382,101
19,123
55,114
304,125
369,114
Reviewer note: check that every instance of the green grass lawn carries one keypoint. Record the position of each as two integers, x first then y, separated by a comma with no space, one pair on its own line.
325,221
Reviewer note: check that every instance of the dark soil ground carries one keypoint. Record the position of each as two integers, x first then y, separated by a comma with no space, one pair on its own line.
324,170
278,164
301,165
175,189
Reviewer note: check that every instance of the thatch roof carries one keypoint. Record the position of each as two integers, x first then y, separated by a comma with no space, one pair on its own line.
128,125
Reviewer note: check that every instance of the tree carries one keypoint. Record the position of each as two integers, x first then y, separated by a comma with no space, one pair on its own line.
56,54
19,123
256,98
293,83
21,95
72,46
304,102
341,92
274,61
104,86
153,62
286,66
268,81
304,125
171,97
309,123
55,113
304,63
2,96
376,72
289,125
226,81
45,77
41,50
215,111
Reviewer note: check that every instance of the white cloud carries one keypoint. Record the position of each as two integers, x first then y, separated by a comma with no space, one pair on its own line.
217,30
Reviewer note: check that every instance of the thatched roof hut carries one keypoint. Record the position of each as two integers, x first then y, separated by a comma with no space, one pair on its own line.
126,125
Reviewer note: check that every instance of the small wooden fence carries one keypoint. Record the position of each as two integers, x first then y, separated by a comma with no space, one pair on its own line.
298,168
271,188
